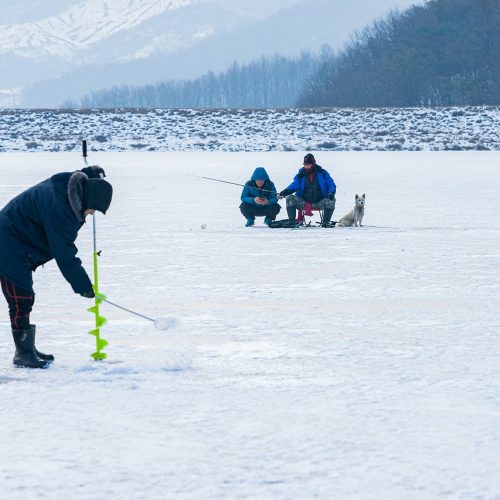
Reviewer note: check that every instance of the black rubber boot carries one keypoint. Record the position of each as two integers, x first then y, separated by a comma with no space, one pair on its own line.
327,215
292,213
41,355
25,350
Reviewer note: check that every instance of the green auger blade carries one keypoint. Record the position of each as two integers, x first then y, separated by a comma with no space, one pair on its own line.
98,356
101,344
100,321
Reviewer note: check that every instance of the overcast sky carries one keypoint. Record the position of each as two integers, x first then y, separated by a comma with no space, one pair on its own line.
19,11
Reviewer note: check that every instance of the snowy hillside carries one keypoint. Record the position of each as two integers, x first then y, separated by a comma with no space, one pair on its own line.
348,363
431,129
80,26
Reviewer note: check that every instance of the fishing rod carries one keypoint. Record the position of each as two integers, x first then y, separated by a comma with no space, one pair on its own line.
228,182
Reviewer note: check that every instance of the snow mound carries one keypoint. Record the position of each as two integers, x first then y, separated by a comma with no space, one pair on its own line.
166,323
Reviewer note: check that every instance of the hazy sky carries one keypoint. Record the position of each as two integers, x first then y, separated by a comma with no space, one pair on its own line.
19,11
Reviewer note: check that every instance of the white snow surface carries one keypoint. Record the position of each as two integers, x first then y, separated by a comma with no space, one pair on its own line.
372,129
310,363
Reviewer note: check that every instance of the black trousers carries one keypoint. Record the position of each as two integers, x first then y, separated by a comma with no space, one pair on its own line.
20,304
252,211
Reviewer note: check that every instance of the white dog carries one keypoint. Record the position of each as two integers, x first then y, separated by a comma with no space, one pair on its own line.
355,216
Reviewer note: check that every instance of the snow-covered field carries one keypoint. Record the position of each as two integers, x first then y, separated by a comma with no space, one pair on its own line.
310,363
380,129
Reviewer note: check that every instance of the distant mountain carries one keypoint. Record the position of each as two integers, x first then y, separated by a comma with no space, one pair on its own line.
93,44
80,27
95,33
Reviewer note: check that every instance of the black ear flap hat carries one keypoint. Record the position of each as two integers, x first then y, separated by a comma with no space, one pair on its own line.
97,194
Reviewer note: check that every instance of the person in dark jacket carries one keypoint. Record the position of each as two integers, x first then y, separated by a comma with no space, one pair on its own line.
259,198
313,188
39,225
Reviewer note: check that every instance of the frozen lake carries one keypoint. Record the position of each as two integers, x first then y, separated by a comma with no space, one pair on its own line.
310,363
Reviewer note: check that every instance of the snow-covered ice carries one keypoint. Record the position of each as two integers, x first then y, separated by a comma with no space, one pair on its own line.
165,323
312,363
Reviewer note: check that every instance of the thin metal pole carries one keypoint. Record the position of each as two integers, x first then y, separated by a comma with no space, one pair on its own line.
100,297
94,231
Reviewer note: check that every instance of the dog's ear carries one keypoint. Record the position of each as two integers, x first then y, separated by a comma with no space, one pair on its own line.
356,197
364,195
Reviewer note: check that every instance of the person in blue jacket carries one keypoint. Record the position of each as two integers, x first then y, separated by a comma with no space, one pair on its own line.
39,225
312,185
259,198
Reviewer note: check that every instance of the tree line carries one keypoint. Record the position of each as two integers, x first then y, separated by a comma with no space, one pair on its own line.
269,82
442,53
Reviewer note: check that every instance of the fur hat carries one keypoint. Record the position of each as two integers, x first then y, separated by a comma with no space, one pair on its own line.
97,194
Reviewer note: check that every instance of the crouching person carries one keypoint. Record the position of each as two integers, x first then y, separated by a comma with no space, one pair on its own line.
314,188
39,225
259,198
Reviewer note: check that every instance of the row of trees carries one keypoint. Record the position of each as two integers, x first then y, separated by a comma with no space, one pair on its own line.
269,82
446,52
441,53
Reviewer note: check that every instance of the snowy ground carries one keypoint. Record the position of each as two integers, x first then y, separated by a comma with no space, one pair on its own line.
313,363
372,129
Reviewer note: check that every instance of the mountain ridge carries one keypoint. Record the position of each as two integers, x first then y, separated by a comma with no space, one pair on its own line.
80,26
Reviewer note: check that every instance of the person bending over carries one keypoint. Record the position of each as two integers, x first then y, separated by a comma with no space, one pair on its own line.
39,225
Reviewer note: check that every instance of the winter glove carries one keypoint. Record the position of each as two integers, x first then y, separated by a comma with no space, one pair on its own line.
284,193
89,294
331,196
94,172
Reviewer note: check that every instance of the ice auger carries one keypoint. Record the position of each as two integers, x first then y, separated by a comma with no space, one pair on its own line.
99,320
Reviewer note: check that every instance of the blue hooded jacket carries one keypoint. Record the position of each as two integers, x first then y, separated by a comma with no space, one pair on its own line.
42,224
251,191
326,183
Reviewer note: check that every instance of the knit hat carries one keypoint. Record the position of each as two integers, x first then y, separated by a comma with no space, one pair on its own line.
97,194
309,159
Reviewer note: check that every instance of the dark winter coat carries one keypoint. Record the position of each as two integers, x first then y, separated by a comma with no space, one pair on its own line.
312,191
326,183
42,224
251,191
